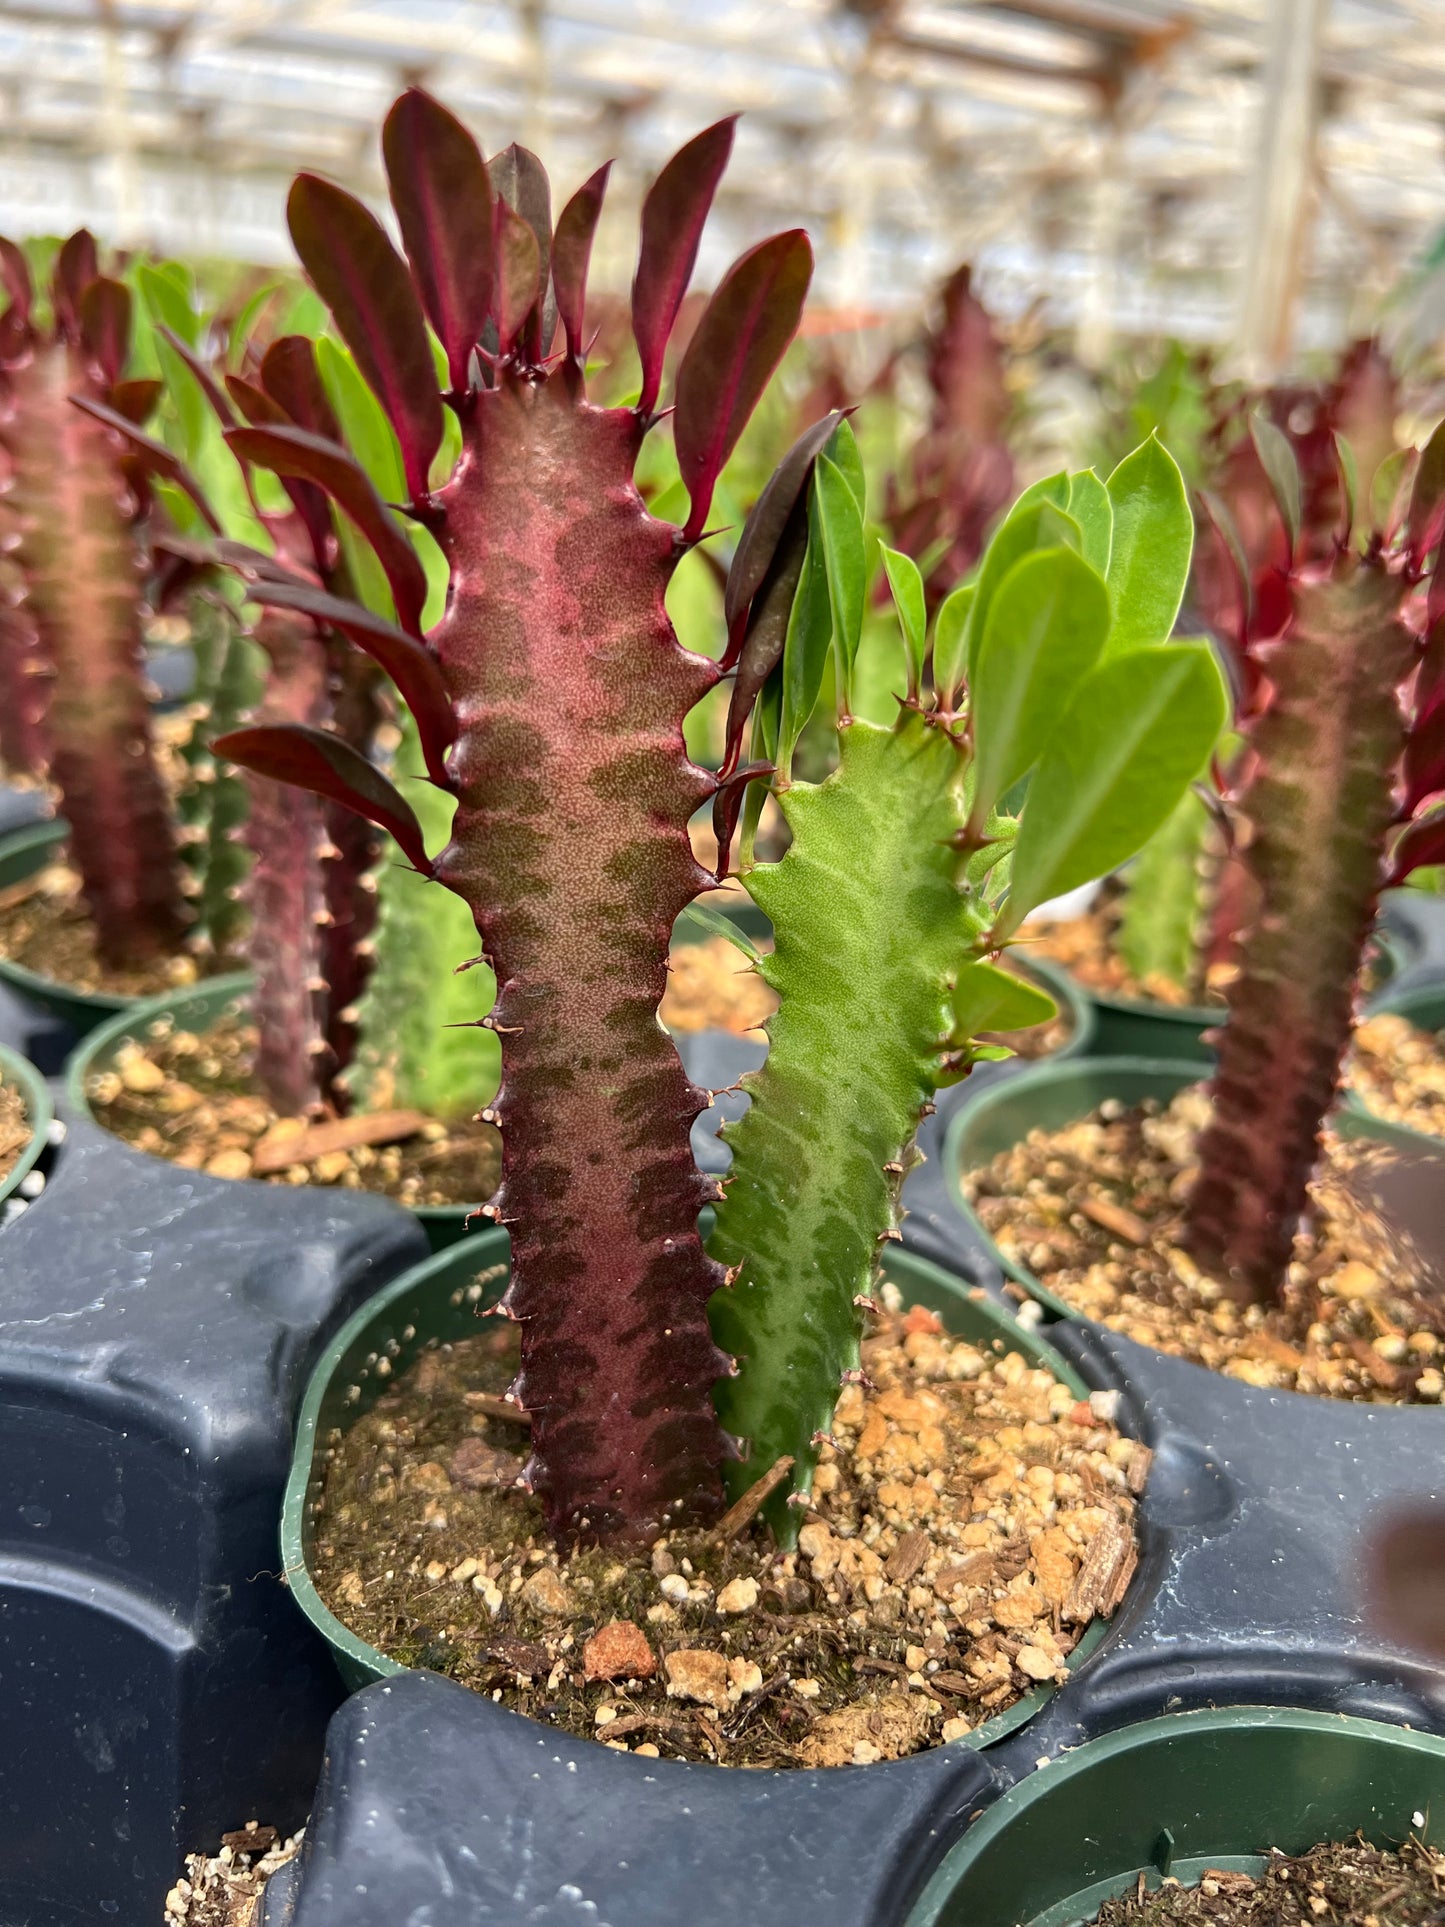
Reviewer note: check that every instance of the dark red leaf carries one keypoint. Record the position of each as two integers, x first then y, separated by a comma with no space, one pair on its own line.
364,281
767,519
225,414
76,267
766,627
257,407
105,325
1425,754
727,806
515,292
15,275
1422,844
135,399
290,378
443,202
521,181
311,458
673,217
741,338
571,254
154,457
1427,498
411,666
315,760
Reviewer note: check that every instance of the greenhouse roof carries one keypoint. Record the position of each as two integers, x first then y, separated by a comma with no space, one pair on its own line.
906,134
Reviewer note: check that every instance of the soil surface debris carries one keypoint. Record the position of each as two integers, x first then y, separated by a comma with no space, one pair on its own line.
970,1517
1094,1211
45,928
224,1889
1338,1884
193,1098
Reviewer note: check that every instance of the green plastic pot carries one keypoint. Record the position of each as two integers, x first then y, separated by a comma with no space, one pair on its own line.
1049,1095
1425,1008
1140,1027
18,1071
1177,1796
440,1301
22,853
195,1008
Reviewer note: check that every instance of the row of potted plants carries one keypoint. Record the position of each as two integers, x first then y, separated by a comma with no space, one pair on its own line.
735,1479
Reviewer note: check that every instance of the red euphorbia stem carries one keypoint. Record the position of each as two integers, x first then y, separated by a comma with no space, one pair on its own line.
1319,811
286,834
570,846
76,553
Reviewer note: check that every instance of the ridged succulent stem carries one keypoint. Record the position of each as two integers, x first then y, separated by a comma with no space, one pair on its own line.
1319,814
76,553
570,846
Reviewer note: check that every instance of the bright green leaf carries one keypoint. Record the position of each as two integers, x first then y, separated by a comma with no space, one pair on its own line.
1038,525
842,450
950,642
906,584
1349,480
1052,488
1153,541
364,427
840,530
1137,733
168,297
1091,508
1387,486
1045,631
987,998
714,924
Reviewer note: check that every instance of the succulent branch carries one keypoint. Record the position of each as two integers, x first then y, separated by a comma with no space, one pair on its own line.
1346,741
903,883
70,508
549,701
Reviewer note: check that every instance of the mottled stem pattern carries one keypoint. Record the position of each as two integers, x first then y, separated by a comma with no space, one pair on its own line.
70,519
285,892
570,846
1319,814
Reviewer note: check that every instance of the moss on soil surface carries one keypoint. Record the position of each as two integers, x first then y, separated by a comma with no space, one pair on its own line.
1094,1212
193,1099
970,1519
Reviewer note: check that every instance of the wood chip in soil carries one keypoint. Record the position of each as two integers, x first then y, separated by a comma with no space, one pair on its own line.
1336,1884
224,1889
1095,1212
45,928
193,1099
1398,1070
970,1518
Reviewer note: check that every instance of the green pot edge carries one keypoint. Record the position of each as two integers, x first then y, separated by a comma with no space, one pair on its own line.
1039,1785
445,1225
39,1110
361,1664
21,854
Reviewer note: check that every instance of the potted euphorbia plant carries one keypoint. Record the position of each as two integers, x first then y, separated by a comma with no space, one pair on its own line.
1218,1229
651,1373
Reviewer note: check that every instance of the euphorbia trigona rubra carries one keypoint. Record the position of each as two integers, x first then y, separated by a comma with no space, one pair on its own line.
71,663
550,700
1343,637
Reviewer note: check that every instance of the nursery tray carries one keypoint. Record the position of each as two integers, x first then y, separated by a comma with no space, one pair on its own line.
196,1007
